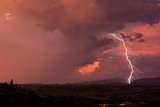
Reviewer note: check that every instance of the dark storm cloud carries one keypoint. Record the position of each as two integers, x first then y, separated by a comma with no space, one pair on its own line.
90,16
80,22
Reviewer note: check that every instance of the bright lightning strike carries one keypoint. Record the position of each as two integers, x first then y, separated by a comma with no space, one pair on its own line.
127,57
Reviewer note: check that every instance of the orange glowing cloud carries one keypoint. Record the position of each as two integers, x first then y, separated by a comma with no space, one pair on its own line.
87,69
151,35
149,31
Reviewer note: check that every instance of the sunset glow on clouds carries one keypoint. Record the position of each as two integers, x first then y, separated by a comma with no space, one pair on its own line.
151,34
48,40
90,68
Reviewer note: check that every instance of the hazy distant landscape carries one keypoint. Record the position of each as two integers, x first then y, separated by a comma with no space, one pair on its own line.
106,94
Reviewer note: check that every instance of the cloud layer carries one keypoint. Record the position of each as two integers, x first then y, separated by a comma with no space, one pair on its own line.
50,39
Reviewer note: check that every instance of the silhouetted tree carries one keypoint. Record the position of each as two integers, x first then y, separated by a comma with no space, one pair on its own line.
11,82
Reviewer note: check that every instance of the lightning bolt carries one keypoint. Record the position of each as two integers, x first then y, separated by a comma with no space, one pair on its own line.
8,16
127,58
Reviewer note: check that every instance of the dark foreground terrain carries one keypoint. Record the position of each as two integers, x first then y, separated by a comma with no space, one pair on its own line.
79,95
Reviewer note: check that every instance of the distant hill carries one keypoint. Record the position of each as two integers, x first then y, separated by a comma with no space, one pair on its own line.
122,81
147,81
114,81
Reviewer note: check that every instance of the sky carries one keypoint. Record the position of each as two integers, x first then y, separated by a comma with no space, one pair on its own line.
59,41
